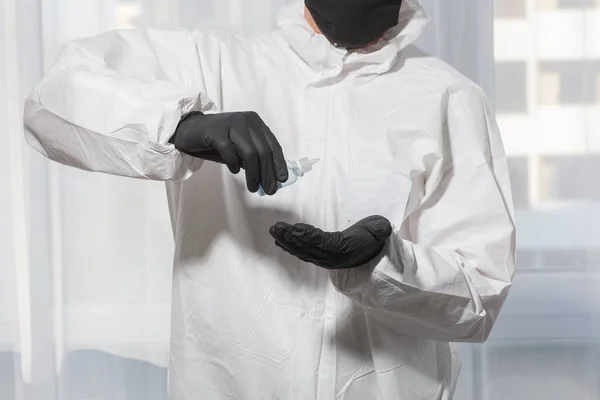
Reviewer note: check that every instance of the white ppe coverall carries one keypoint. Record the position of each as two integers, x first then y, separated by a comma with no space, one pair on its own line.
399,134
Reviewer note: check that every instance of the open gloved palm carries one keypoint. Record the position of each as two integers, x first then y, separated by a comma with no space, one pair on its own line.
350,248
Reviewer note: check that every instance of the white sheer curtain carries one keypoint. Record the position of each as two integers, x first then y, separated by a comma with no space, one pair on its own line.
85,259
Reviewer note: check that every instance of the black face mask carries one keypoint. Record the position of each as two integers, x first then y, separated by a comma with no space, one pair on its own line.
354,23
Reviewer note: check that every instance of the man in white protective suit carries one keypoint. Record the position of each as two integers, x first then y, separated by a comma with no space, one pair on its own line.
353,282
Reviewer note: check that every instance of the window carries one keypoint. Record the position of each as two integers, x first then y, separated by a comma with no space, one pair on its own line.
568,260
564,260
567,178
569,82
518,168
542,371
539,349
575,3
127,14
511,87
566,4
527,259
593,260
510,9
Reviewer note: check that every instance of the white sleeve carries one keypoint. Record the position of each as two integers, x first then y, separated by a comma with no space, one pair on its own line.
447,269
111,103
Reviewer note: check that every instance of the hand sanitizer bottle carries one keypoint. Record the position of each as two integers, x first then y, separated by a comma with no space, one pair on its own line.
296,169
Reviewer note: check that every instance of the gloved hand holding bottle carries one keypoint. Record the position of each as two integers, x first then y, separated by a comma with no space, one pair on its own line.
237,139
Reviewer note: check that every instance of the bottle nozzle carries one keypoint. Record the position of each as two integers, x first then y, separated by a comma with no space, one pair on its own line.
306,164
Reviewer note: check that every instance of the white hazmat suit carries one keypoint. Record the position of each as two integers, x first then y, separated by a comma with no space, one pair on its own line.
399,134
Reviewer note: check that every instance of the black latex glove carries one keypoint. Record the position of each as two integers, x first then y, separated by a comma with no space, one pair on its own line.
351,248
239,140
